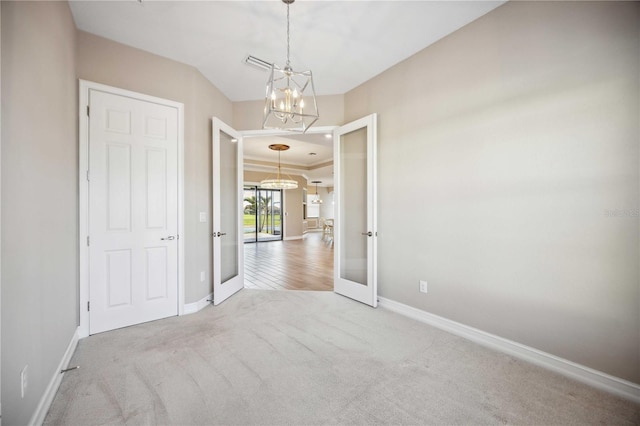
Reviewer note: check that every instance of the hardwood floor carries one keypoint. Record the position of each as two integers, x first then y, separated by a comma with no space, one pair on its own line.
305,264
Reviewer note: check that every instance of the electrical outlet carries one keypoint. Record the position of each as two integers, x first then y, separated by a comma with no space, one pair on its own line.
423,286
202,276
24,380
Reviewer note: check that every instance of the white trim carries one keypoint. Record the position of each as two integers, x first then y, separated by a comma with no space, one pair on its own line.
47,398
0,235
83,207
276,132
192,308
83,190
297,237
300,166
181,225
551,362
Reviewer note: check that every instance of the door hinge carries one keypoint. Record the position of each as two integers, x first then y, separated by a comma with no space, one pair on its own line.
87,175
88,111
88,306
87,240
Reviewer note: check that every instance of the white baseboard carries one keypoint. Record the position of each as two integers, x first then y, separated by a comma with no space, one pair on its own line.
47,398
192,308
297,237
562,366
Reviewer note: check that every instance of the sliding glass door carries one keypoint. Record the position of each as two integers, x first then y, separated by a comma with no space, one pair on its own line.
262,214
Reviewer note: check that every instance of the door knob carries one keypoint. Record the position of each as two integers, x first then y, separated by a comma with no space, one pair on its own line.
170,237
368,234
219,234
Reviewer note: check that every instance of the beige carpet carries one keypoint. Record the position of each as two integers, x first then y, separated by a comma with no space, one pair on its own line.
297,358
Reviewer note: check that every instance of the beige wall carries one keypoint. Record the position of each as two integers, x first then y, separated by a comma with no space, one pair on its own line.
501,148
326,209
248,115
115,64
39,198
292,202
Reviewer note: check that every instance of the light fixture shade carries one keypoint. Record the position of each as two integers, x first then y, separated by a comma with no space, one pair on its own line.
278,184
290,101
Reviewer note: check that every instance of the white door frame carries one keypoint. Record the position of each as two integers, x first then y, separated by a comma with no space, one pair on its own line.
83,187
275,132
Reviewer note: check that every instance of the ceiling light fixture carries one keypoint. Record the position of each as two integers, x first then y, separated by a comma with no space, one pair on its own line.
316,198
290,101
279,182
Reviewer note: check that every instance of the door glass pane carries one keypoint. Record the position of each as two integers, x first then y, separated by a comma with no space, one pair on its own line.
263,205
228,206
249,215
269,216
353,206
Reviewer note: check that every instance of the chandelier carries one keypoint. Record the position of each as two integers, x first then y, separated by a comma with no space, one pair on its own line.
290,101
316,199
279,182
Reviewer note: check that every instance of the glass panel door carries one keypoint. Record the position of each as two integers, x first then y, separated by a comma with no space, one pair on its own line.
353,200
227,177
269,215
355,215
262,214
229,203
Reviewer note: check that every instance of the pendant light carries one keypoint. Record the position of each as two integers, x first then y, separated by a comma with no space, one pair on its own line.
316,198
290,101
279,182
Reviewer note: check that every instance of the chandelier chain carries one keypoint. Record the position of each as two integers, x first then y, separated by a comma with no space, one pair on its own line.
279,152
288,37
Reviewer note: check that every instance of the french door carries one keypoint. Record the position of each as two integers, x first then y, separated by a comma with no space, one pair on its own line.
355,227
228,234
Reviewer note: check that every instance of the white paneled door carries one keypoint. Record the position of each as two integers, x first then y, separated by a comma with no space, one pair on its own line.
133,211
228,233
355,225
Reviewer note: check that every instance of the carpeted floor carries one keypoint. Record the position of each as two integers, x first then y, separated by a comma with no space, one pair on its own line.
275,357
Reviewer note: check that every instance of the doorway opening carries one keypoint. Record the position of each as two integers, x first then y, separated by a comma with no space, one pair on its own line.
354,272
286,247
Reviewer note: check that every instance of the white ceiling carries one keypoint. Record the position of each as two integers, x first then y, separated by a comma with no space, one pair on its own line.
344,43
